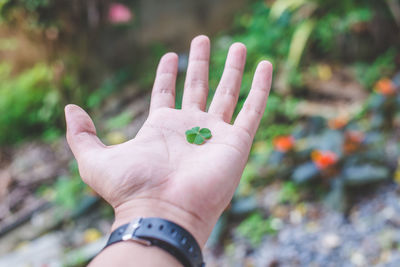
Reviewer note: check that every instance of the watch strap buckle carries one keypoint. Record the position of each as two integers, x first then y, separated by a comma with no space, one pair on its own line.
129,233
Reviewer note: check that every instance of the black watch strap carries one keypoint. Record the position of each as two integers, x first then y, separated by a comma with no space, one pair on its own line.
164,234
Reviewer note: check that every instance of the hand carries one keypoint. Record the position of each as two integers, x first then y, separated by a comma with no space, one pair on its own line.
158,173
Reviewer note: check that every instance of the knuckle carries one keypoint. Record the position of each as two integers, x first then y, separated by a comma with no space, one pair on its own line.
253,110
165,91
198,83
226,91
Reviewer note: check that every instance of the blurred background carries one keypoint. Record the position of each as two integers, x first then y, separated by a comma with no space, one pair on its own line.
320,188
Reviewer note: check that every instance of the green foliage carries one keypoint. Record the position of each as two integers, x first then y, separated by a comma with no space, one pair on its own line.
369,73
255,227
336,23
198,136
119,121
345,155
67,189
110,85
31,6
29,103
246,182
299,41
70,189
34,4
289,193
3,3
283,33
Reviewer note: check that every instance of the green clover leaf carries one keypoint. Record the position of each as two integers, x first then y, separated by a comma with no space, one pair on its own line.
198,136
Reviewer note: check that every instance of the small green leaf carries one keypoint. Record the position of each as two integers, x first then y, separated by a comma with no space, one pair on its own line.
206,133
197,136
190,137
198,140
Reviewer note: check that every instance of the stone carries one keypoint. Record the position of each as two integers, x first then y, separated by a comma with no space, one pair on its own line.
358,259
330,241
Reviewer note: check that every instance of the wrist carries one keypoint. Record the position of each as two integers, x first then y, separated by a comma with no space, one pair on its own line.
148,207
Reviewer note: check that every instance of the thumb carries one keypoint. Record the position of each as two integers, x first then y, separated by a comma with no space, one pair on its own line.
81,133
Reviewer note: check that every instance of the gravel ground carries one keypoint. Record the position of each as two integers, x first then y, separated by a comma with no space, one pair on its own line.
315,236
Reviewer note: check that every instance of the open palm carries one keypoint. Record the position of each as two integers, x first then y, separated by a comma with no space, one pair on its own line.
158,173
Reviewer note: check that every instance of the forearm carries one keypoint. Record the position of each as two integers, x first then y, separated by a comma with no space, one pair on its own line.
129,253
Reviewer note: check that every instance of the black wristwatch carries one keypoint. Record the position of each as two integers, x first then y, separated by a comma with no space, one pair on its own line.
164,234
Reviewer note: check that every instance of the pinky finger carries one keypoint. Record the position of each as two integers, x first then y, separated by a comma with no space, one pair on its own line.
250,115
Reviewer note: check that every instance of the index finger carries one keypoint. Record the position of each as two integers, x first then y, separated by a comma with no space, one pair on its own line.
163,93
250,115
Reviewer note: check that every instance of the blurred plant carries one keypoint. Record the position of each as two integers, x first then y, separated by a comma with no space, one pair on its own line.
283,143
7,8
255,227
29,103
345,152
369,73
323,159
246,184
34,4
353,141
70,189
385,86
340,19
283,32
338,122
119,121
289,193
108,86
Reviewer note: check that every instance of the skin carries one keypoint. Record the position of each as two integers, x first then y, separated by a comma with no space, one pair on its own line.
158,173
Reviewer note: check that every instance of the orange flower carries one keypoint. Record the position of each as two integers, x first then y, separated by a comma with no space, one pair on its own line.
324,159
352,141
385,87
283,143
338,123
